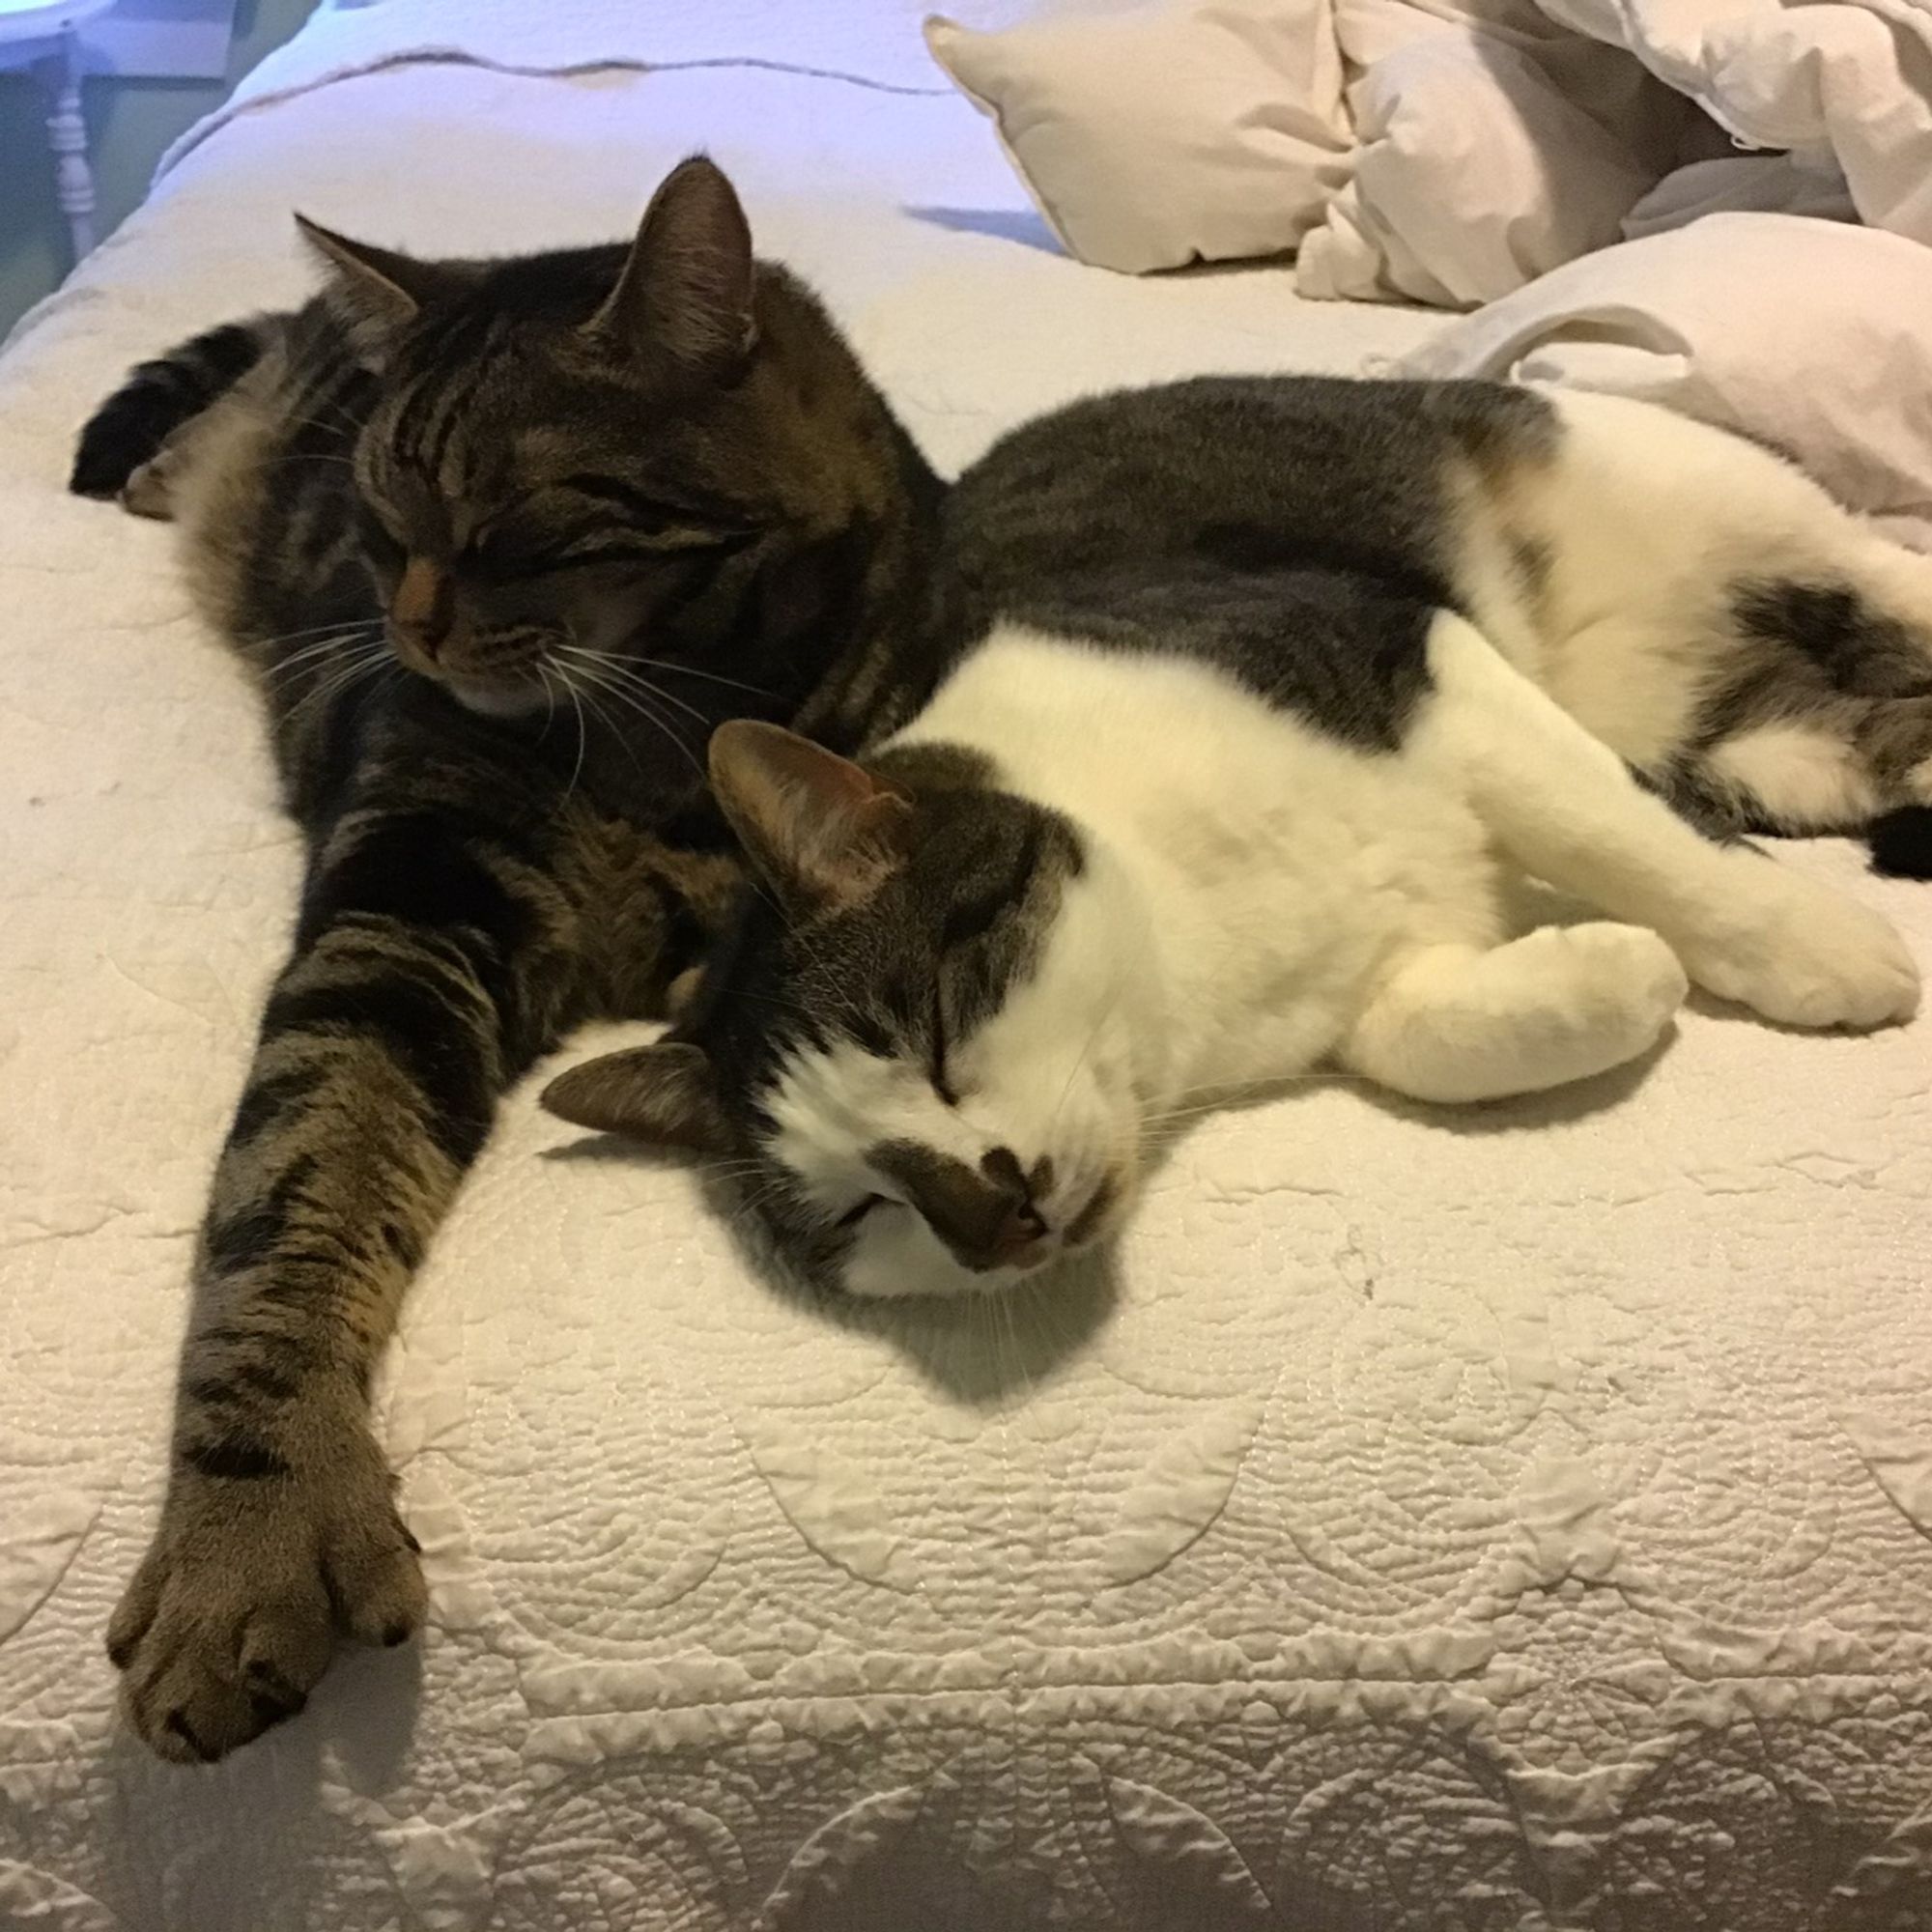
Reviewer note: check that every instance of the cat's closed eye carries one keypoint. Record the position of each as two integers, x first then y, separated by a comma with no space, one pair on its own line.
936,1068
856,1214
605,547
657,523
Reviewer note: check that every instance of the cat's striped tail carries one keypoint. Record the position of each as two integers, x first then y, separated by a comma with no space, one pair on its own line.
129,428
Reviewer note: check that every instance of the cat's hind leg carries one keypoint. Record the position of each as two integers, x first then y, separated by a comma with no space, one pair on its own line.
1567,810
1759,654
1453,1023
1820,718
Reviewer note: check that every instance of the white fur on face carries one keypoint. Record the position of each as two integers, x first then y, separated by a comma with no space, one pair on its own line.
1049,1074
496,700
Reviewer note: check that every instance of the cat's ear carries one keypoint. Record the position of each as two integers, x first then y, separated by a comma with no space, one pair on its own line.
685,290
375,291
823,831
664,1094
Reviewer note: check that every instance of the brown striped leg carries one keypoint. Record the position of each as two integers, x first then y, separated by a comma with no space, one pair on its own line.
437,955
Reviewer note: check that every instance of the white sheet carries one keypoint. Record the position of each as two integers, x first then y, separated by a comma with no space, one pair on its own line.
1508,1521
874,44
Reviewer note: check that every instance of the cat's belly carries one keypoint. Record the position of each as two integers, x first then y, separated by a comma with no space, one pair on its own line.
1283,869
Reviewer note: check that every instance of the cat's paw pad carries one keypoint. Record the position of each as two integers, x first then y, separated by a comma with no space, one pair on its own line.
1804,955
233,1612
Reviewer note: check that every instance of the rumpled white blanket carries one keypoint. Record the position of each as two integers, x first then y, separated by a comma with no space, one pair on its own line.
1811,335
1743,291
1449,152
1719,205
1495,139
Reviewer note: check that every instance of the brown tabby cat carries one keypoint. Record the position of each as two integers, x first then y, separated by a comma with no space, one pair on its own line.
606,498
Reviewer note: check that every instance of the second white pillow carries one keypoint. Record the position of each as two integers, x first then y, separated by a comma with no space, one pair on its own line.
1194,130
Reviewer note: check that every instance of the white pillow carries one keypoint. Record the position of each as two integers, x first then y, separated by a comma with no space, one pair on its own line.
1193,130
1476,174
1813,335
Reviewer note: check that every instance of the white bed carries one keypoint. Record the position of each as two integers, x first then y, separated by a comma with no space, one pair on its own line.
1513,1521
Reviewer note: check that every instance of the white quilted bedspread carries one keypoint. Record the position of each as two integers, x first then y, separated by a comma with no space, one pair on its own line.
1513,1520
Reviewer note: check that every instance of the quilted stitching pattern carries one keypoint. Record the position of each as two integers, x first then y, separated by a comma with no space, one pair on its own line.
1518,1521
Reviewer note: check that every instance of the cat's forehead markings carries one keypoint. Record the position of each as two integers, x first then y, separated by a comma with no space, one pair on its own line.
459,469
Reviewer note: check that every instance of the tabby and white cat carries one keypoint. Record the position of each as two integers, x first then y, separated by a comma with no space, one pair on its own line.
1118,863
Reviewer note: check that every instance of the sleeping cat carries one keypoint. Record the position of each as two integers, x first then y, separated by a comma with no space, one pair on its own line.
1131,855
503,541
500,542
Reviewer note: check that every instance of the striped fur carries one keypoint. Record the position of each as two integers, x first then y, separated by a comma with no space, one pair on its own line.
481,877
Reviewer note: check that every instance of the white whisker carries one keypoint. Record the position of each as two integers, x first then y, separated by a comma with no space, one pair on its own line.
582,737
643,664
372,658
312,630
633,701
313,657
615,672
581,699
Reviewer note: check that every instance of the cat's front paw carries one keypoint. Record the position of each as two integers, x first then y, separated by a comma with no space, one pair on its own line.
233,1612
1802,954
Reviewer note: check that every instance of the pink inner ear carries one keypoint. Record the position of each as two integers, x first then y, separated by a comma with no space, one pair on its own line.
819,827
785,783
750,753
686,289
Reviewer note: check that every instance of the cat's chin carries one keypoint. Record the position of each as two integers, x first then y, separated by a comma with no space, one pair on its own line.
938,1281
490,698
892,1274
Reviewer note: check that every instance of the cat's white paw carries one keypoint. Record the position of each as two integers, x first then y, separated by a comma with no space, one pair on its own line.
1618,985
1803,954
1563,1002
1622,969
